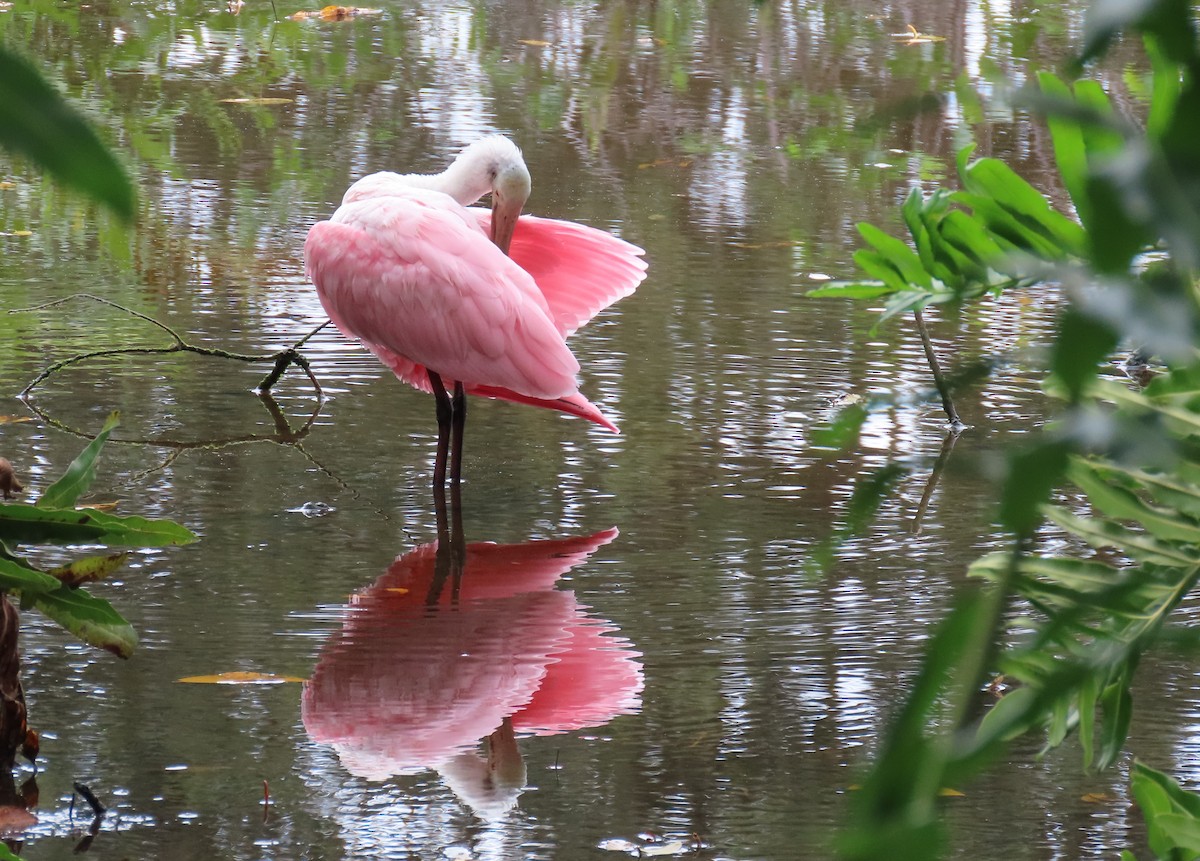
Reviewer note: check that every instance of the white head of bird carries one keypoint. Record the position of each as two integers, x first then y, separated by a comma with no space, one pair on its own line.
491,165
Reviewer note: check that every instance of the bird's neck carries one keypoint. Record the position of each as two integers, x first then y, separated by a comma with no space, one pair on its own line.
458,181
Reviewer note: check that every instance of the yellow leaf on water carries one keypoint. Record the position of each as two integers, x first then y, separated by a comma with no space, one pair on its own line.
259,101
536,43
1097,798
12,420
947,792
915,37
7,183
240,677
18,233
335,13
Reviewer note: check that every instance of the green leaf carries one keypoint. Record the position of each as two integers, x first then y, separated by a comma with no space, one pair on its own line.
1136,544
1120,503
65,492
898,254
1117,704
1167,488
1082,342
992,178
91,619
850,290
1070,151
1033,474
843,431
1178,798
1012,716
38,123
1172,813
29,524
1089,698
1181,830
15,577
879,267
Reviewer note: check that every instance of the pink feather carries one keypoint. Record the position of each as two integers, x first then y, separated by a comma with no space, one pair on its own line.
405,272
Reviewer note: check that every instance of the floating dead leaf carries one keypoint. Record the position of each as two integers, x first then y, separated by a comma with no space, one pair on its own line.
652,846
1097,798
335,13
947,792
7,183
915,37
100,506
675,847
18,233
617,844
535,43
259,101
240,678
12,420
665,162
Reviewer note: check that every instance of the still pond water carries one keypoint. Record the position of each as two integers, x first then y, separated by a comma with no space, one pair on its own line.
635,621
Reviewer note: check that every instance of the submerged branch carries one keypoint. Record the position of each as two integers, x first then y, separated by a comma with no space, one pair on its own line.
282,359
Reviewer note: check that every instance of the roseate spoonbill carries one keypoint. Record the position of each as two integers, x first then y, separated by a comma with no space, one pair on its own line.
405,268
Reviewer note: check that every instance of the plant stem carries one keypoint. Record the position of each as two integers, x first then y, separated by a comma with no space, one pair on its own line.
940,381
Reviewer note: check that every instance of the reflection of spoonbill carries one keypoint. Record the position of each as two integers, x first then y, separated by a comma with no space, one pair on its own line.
406,269
425,666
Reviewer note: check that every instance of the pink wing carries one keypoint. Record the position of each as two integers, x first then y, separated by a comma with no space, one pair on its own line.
578,269
412,275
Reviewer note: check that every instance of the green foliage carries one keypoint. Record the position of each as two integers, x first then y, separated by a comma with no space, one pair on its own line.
995,233
1133,455
55,520
38,123
1172,814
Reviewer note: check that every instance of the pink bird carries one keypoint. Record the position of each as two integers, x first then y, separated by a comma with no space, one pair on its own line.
425,284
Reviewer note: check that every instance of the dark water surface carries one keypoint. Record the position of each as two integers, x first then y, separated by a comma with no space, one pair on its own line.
640,637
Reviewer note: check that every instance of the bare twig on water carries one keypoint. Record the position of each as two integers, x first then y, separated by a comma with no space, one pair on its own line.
940,381
282,359
98,809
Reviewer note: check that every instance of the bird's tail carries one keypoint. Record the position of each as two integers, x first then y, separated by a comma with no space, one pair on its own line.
416,376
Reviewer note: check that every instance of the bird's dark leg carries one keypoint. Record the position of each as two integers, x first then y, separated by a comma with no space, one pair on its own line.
445,415
458,415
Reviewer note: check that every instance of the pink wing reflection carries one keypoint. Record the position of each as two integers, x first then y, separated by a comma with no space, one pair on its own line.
426,665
